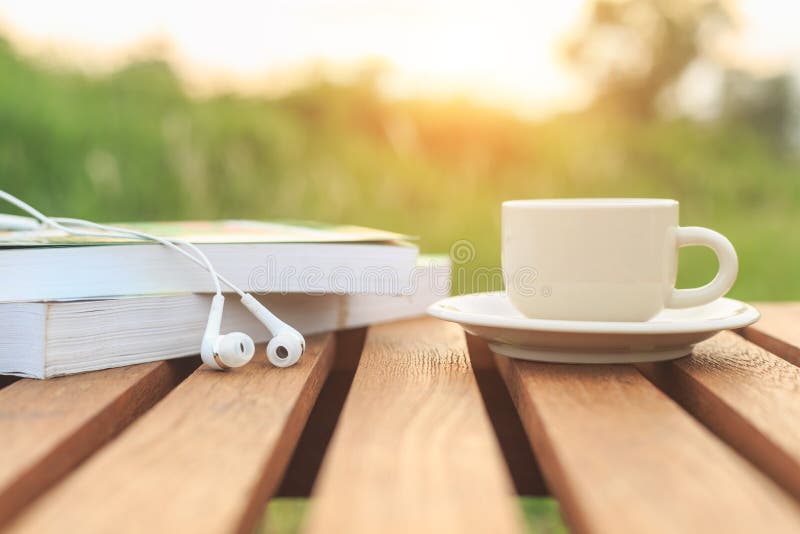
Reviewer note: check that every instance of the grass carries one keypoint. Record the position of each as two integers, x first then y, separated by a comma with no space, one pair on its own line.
542,515
285,515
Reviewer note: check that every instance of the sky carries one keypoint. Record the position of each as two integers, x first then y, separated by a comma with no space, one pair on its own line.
502,52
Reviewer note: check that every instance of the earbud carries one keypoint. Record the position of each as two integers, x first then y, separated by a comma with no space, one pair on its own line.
287,344
286,347
224,351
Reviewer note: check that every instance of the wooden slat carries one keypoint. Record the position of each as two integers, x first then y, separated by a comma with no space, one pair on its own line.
49,426
414,450
205,459
748,396
778,330
622,457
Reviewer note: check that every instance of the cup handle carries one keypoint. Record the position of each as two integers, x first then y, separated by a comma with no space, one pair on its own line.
728,267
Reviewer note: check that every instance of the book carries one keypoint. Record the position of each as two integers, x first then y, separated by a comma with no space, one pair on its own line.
263,257
47,339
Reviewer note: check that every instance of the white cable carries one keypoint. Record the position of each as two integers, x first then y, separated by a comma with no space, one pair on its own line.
23,205
203,262
63,225
110,231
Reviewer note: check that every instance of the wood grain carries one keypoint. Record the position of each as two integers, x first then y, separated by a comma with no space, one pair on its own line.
414,450
746,395
778,330
205,459
49,426
622,457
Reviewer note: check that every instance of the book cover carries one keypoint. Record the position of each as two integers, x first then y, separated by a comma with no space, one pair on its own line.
212,232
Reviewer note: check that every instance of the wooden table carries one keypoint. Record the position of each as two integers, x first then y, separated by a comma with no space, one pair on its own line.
409,427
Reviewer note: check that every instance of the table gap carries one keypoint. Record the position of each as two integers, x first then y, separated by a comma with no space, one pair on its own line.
7,380
725,422
775,345
517,450
672,382
310,450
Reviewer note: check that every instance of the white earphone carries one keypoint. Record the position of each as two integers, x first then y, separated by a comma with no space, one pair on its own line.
224,351
218,351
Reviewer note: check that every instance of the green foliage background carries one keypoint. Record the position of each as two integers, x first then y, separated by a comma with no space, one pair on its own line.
133,145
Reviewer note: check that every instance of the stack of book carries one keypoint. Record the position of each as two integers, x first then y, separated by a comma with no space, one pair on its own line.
73,304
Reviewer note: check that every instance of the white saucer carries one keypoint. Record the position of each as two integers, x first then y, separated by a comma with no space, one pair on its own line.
669,335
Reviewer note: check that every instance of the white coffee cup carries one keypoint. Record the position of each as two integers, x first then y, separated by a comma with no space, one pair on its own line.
604,259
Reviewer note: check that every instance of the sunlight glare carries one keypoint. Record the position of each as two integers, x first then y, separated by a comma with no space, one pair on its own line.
503,53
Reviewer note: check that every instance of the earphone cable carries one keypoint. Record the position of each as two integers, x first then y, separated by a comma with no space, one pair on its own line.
62,223
175,244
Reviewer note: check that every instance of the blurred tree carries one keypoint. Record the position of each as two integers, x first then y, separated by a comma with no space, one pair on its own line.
632,51
765,104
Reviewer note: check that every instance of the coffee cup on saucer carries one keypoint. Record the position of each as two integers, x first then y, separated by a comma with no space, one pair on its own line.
603,259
